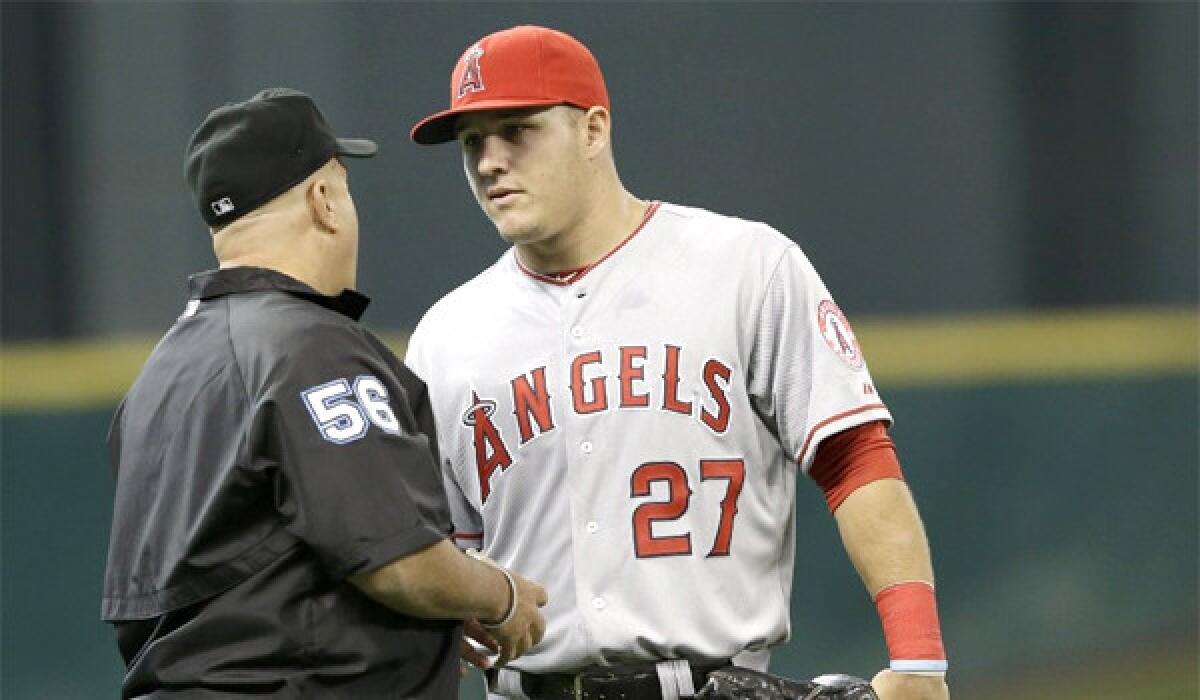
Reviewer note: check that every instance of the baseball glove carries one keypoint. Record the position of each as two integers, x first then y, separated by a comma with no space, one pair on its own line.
734,683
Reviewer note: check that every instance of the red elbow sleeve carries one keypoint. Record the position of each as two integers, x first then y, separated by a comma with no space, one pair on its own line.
853,458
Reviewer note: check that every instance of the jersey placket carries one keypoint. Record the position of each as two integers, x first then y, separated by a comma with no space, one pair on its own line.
583,452
586,311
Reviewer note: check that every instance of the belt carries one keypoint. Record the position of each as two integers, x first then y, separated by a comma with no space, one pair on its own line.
626,682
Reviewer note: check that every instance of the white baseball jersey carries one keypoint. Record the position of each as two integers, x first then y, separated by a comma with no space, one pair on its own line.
629,436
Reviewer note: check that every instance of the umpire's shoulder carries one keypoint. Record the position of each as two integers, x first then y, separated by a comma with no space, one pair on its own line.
274,331
274,317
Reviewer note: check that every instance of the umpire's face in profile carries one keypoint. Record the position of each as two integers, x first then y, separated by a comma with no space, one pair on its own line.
334,211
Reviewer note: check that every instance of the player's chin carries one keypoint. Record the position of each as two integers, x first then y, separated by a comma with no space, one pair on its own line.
515,232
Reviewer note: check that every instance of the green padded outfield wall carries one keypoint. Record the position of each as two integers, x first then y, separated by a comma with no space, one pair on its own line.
1062,513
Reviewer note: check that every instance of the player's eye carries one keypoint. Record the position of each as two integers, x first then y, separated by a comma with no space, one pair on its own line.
512,132
469,140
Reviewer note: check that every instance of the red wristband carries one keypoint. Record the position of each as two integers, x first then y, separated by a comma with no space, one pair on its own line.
908,612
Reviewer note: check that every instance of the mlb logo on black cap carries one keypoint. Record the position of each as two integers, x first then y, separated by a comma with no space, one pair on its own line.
222,206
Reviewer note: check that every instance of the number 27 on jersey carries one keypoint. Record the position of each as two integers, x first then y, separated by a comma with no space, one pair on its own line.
679,493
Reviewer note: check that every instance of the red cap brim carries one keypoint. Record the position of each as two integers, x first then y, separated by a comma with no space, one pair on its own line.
439,128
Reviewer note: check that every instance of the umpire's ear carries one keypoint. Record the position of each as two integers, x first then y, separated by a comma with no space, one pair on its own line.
322,197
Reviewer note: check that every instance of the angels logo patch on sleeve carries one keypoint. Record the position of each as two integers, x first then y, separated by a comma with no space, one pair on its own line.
838,335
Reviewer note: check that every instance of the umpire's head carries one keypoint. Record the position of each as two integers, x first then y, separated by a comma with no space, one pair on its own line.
267,178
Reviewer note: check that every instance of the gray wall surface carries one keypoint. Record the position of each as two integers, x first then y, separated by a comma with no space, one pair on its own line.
929,157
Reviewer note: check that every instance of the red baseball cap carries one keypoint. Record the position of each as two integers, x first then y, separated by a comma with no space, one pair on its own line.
524,66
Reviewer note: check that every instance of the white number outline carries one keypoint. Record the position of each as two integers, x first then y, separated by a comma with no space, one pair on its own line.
368,404
335,412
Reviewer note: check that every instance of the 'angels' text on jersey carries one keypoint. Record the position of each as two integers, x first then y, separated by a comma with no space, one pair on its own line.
598,382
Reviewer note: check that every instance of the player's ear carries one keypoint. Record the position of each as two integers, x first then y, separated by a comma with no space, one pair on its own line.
597,127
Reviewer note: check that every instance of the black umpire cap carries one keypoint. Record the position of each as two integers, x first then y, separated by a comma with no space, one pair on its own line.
245,154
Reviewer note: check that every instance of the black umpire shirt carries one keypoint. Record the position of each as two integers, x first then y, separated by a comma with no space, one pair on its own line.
270,448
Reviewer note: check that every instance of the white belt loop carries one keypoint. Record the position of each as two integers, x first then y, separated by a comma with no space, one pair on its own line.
675,679
508,684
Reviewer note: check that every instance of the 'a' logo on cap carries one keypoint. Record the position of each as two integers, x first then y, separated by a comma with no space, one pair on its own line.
472,77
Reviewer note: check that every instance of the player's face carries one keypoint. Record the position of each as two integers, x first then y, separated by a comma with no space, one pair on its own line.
526,169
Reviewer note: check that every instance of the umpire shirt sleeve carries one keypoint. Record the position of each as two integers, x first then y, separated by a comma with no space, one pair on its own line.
354,477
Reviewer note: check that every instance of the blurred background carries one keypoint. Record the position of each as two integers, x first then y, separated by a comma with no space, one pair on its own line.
1002,197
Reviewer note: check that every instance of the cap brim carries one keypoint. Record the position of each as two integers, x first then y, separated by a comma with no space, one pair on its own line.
357,148
439,128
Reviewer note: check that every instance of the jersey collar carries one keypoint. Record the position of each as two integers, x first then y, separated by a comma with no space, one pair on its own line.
565,278
237,280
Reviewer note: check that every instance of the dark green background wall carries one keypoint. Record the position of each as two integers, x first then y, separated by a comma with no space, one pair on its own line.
928,156
1063,518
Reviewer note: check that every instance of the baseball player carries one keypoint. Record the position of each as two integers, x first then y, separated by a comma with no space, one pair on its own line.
625,398
280,526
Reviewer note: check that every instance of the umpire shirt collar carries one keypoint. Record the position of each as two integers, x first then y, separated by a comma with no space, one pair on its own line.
236,280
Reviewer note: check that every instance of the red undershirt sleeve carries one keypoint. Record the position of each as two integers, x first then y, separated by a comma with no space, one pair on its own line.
853,458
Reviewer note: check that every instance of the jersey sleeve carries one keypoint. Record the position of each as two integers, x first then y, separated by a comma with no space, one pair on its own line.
468,525
808,376
356,478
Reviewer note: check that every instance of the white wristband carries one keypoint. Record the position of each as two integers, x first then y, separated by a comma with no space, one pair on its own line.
921,666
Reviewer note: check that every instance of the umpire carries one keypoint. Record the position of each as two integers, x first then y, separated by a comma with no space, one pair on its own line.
280,526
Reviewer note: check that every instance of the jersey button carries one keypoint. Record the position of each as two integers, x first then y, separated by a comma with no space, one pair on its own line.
577,332
598,603
592,527
586,447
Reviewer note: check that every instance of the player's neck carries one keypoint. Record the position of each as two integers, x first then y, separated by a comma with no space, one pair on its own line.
599,230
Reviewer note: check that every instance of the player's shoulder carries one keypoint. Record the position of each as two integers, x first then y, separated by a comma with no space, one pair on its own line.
471,299
724,232
479,291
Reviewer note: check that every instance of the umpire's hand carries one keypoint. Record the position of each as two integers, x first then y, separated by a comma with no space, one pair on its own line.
524,627
890,685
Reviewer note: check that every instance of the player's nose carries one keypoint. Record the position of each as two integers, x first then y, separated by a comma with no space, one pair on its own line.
491,156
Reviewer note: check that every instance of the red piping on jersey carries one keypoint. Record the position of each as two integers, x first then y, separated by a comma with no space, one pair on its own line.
827,421
468,535
567,277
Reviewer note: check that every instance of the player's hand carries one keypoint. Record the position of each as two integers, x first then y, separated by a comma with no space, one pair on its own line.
473,630
890,685
527,625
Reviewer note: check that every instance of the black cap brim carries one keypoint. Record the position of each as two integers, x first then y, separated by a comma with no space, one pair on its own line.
357,148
